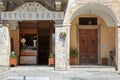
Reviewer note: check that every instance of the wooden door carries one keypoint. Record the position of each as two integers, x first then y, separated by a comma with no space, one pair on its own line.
88,46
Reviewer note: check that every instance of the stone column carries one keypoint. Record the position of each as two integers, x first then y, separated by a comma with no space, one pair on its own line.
4,46
62,47
118,50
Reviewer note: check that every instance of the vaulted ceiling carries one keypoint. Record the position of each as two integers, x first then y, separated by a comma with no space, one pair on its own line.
53,5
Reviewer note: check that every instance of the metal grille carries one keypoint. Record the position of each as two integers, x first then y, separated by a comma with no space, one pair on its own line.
87,21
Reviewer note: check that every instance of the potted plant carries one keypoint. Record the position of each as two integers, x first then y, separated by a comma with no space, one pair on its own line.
51,60
62,35
73,56
13,59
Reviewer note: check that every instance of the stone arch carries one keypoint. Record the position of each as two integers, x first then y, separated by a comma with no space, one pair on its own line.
103,11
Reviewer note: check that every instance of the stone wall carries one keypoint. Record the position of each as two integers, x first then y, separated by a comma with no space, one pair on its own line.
4,46
118,49
61,48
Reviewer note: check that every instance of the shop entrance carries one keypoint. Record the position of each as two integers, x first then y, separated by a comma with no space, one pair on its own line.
38,42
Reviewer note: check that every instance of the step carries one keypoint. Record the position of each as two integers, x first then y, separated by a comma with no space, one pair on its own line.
31,68
92,67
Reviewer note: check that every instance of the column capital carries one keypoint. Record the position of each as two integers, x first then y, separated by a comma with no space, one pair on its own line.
62,25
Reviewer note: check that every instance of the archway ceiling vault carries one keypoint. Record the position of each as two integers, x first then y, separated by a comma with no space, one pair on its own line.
100,10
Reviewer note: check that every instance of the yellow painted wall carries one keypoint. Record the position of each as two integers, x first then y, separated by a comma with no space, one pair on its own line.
106,40
15,36
73,35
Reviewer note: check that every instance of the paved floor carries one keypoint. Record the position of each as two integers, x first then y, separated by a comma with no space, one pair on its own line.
3,69
48,73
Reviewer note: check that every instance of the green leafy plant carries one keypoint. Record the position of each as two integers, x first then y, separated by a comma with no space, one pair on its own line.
13,56
51,55
62,35
73,53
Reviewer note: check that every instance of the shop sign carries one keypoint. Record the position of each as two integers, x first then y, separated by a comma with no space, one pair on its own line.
32,11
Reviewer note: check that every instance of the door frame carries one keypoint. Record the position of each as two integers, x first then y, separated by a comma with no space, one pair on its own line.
31,25
78,27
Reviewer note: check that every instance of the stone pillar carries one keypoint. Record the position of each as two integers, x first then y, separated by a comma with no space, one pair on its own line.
4,46
118,50
62,47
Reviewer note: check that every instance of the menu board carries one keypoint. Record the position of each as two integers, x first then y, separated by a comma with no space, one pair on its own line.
4,40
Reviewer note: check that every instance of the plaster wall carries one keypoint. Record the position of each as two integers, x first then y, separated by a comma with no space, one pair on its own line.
15,36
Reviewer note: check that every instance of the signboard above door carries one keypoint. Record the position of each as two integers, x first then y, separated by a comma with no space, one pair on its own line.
32,11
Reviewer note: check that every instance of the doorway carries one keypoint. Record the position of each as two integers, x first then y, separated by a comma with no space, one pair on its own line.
88,46
43,45
41,32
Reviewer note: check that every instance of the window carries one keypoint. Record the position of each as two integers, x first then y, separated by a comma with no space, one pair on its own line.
87,21
29,39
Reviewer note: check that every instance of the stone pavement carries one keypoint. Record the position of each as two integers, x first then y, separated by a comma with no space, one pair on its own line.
48,73
3,69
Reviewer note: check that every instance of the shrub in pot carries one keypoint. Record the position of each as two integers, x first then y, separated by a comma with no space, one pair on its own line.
51,60
13,60
73,56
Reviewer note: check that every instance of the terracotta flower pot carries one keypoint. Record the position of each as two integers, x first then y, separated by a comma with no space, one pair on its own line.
73,61
51,62
13,62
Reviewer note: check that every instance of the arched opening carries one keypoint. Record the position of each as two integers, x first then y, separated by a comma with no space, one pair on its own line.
98,9
93,42
32,33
